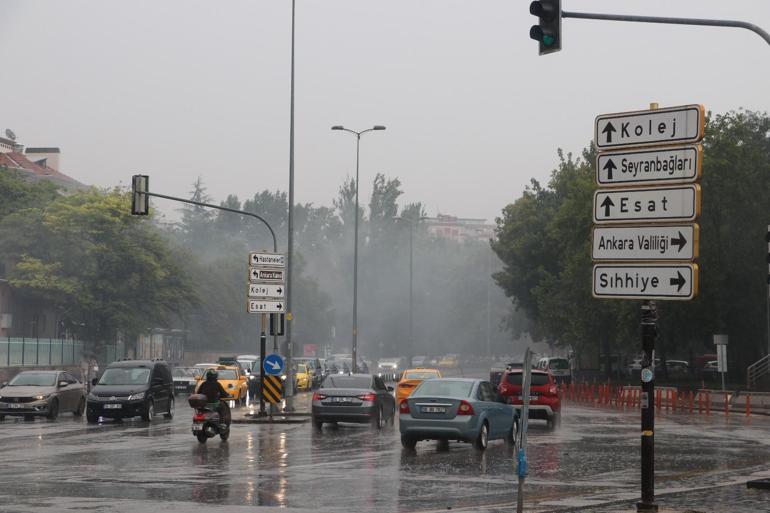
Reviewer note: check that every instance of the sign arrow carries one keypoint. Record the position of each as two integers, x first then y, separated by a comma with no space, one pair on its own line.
280,290
680,242
606,204
609,167
275,365
608,130
679,281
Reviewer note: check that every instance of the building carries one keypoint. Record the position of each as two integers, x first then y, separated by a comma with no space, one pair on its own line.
35,163
460,229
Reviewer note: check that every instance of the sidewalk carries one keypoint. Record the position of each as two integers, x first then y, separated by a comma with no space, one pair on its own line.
300,415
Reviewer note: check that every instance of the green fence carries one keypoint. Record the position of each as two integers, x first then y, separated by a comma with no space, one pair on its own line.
46,352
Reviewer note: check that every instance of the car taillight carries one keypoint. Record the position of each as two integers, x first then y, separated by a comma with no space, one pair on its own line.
318,397
552,390
199,417
367,397
465,408
403,407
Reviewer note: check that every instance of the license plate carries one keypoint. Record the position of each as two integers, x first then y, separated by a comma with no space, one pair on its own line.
531,398
197,427
181,387
113,406
16,405
433,409
342,399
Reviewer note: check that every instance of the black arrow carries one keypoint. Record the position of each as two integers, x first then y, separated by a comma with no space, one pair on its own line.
609,167
608,130
279,290
679,281
607,203
280,306
681,242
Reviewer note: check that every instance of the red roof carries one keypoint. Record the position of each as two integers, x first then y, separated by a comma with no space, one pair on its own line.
18,161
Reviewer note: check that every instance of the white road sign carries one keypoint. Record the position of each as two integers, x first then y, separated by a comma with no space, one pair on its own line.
645,281
635,243
264,291
658,166
260,259
657,127
265,306
266,275
647,204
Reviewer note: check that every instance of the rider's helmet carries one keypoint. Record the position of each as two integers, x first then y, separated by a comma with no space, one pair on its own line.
212,375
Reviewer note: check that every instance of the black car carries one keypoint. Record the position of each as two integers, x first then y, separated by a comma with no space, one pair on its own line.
185,379
132,388
357,398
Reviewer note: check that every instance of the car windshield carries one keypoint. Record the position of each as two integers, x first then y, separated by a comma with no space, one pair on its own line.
185,372
538,379
125,376
443,388
420,375
227,374
33,379
347,382
559,364
302,368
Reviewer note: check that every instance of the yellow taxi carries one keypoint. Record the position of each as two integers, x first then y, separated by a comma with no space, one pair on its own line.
449,361
232,379
303,377
410,379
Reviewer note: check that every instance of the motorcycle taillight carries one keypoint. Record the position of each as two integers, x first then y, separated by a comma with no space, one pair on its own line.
199,417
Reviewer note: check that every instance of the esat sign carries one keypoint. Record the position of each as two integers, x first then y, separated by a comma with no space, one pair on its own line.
265,306
648,204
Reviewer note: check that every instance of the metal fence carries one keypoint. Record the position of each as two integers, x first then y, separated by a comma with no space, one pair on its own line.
47,352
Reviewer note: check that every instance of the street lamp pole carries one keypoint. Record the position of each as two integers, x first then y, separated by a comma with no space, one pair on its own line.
411,279
355,242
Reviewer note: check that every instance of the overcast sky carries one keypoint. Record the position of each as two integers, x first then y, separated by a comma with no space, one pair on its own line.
181,88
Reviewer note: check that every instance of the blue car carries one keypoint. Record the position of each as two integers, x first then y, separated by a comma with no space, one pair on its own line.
465,410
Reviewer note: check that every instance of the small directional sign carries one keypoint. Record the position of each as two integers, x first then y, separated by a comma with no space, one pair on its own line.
266,275
645,281
264,291
647,204
657,127
273,364
265,306
638,243
261,259
658,166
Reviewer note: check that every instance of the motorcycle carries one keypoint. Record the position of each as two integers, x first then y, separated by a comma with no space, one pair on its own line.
206,421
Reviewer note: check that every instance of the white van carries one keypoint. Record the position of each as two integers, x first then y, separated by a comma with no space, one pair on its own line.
558,367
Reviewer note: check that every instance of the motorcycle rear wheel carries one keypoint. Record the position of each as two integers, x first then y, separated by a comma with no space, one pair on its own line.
201,437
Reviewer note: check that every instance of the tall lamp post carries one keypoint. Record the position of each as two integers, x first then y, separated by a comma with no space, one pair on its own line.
411,278
355,243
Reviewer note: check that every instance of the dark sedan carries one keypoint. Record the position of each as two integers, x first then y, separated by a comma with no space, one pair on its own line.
357,398
42,393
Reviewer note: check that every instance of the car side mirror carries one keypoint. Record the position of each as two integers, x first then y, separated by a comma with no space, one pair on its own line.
94,381
63,384
390,389
157,381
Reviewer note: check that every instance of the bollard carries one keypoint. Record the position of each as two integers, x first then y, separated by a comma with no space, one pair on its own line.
748,405
668,400
658,399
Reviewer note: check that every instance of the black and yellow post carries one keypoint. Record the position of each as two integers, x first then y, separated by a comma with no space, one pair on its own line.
272,389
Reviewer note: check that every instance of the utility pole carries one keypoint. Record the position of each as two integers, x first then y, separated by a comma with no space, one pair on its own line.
290,250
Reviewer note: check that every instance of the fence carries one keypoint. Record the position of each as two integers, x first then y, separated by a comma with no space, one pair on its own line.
47,352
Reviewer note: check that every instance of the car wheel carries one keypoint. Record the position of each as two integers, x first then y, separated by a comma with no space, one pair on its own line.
149,412
53,410
379,420
170,413
91,419
513,434
408,442
483,439
318,424
554,421
81,408
2,418
201,437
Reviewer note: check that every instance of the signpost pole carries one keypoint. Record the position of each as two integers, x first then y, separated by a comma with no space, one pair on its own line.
649,333
522,456
262,354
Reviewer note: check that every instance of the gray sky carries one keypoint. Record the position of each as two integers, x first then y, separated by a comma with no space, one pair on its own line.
182,88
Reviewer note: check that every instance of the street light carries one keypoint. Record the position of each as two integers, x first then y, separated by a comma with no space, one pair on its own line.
411,277
355,243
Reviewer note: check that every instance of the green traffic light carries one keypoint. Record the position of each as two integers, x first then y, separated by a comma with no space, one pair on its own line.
548,40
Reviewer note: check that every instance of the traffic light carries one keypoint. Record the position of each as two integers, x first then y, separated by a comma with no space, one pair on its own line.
140,202
548,30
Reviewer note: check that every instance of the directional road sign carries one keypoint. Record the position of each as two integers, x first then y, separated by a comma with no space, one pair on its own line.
261,259
647,204
637,243
266,306
259,275
659,166
645,281
265,291
657,127
273,364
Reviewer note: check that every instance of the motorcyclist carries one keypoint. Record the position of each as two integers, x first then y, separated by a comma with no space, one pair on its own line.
215,394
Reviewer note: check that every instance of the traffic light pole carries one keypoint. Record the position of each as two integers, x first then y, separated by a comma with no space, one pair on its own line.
670,21
649,333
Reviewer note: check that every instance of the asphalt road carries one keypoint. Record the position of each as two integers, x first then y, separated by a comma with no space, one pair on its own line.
592,460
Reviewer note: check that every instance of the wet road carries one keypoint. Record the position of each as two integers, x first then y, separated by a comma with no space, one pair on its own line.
134,466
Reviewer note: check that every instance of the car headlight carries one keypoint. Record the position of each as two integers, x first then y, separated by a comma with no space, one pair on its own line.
252,376
134,397
283,377
41,397
93,396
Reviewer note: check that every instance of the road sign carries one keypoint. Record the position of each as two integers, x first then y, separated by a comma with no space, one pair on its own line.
260,275
266,306
634,243
272,389
659,166
657,127
645,281
273,364
647,204
261,259
264,291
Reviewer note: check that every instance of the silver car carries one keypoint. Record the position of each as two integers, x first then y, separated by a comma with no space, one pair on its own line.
42,393
465,410
358,398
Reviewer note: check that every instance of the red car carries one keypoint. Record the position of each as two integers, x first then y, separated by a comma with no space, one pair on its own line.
544,401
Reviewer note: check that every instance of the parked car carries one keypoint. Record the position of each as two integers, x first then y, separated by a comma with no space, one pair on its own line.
315,370
232,379
711,370
460,409
303,377
42,393
411,379
558,367
185,379
544,401
132,388
358,398
677,368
